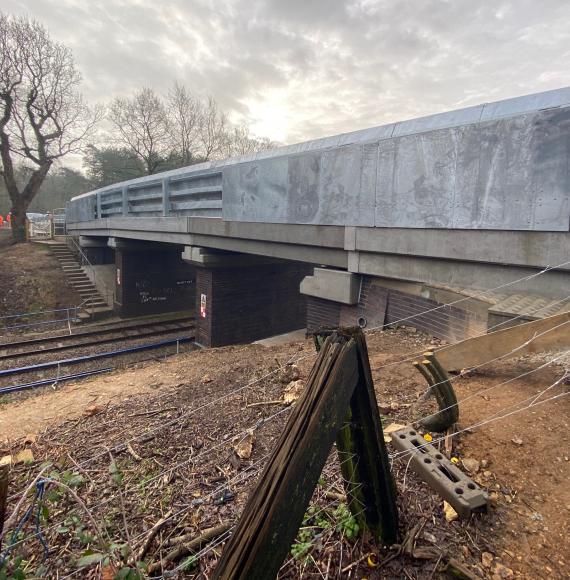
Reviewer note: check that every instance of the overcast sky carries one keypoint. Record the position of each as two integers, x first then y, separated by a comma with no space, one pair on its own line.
301,69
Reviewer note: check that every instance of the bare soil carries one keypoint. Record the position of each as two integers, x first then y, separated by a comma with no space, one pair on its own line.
31,279
169,430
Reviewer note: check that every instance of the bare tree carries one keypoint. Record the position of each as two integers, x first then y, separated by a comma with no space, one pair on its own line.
213,129
143,127
186,113
239,141
42,114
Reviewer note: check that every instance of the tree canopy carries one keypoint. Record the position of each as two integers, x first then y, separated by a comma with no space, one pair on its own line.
42,114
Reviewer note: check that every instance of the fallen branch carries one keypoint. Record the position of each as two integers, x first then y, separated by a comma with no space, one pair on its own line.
263,403
150,537
188,547
153,412
133,453
333,496
458,570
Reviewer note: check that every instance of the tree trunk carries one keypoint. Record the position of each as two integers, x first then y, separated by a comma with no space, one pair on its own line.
21,201
18,222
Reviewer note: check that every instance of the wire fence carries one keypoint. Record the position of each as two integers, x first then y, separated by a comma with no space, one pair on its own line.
205,406
40,319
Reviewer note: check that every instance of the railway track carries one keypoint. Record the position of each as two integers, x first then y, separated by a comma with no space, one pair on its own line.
27,361
49,345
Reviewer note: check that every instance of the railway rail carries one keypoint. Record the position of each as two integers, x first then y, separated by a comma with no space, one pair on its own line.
95,337
28,360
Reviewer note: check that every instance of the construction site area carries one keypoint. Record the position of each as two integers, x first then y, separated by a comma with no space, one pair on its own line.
313,362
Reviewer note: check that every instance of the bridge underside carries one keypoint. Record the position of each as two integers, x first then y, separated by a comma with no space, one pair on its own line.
251,280
380,224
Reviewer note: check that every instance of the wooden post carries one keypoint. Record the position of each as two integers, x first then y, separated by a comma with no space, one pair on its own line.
276,506
4,481
369,486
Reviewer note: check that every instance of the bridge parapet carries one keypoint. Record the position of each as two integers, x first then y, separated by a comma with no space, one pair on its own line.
195,193
498,166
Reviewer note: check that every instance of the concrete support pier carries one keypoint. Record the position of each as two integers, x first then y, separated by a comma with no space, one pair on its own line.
243,298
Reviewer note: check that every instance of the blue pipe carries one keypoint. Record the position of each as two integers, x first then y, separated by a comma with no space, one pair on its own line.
15,388
80,359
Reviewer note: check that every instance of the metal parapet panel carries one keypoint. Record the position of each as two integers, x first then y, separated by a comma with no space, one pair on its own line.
498,166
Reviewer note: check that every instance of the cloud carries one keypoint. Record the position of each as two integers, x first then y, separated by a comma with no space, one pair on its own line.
303,69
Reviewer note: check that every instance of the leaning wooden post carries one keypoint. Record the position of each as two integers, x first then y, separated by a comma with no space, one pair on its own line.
4,481
369,486
276,506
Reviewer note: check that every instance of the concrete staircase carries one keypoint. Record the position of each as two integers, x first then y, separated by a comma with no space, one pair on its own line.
93,305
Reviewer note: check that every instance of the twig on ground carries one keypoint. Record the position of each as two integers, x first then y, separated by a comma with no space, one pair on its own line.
191,546
150,536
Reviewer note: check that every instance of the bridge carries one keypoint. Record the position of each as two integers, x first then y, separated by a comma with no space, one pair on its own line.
366,227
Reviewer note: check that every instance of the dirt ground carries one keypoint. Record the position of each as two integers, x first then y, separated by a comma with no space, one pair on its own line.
31,279
170,429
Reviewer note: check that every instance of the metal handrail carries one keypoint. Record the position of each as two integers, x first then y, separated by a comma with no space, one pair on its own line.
25,314
77,248
67,320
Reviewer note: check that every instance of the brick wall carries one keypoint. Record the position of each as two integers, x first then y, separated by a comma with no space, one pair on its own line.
379,306
322,313
249,302
153,281
203,323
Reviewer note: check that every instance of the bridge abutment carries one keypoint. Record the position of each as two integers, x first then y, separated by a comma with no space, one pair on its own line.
340,298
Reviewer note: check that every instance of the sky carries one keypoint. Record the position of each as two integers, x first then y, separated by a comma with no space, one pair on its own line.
301,69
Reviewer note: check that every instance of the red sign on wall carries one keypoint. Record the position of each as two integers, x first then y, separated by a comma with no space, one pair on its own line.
203,305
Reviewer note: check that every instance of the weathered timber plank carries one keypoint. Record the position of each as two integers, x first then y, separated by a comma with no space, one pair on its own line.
276,506
552,333
368,482
372,463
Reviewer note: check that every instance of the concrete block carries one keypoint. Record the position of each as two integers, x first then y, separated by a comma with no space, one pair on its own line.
336,285
444,477
199,256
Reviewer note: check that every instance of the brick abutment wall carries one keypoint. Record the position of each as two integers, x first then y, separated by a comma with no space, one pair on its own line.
153,282
379,306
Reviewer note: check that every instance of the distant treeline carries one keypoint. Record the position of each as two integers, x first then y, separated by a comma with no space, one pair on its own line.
103,166
148,133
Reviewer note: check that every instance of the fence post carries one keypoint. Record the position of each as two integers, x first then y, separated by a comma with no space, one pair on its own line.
276,506
363,456
4,482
